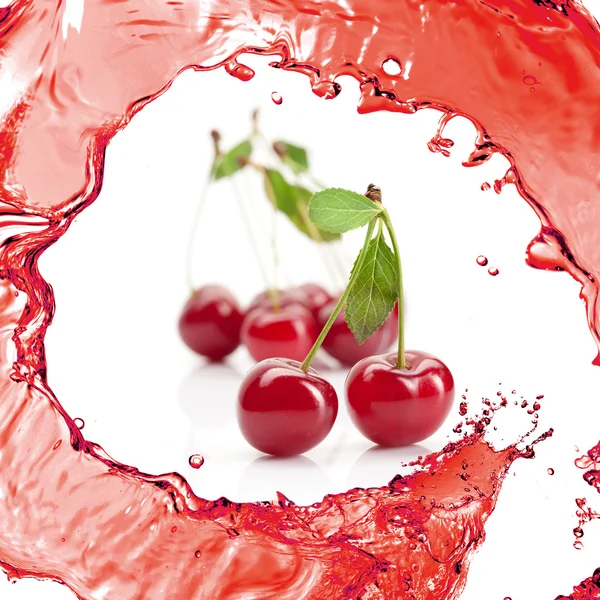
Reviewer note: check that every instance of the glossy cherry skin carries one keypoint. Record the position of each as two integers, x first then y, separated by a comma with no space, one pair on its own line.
289,332
341,343
284,411
317,297
394,407
211,321
286,298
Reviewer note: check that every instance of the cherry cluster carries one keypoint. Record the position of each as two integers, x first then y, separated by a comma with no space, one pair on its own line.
276,323
285,407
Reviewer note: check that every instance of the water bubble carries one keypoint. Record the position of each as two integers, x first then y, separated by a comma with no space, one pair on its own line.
391,66
493,271
485,186
276,97
531,80
79,423
196,461
174,529
197,554
482,260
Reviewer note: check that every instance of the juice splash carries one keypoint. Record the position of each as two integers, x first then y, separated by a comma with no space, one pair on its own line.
524,71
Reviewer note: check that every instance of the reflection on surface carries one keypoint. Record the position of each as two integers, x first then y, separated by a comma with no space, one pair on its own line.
378,465
299,478
208,394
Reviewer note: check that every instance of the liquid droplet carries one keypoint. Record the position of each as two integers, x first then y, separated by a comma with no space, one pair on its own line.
550,471
391,66
493,271
485,186
197,554
196,461
79,423
577,545
276,97
578,532
482,260
584,462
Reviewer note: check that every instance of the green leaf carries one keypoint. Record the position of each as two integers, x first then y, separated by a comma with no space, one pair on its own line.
375,290
280,193
338,210
303,222
229,163
292,201
295,157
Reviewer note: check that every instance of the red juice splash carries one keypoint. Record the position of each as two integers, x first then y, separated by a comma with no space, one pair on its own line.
524,71
589,589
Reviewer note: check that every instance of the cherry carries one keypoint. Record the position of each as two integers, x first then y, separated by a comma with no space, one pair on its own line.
283,410
210,322
283,298
398,407
341,343
289,332
317,296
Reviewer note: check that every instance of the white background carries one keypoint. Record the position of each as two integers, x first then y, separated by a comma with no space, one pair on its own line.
116,361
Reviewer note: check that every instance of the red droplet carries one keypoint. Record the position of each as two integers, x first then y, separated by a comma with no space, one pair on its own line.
482,261
196,461
493,271
276,97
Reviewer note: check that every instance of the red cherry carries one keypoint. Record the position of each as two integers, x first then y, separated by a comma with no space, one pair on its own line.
210,322
341,343
286,298
398,407
284,411
317,296
290,332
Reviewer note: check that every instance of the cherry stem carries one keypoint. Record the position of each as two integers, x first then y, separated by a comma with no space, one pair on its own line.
195,224
336,311
315,235
401,363
249,231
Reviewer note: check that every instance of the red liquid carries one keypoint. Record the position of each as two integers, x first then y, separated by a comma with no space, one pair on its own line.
526,72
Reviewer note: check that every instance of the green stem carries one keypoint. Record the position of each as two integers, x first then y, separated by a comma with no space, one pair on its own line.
401,364
194,229
336,311
249,231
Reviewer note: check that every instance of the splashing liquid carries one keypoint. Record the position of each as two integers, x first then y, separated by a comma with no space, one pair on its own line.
508,65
